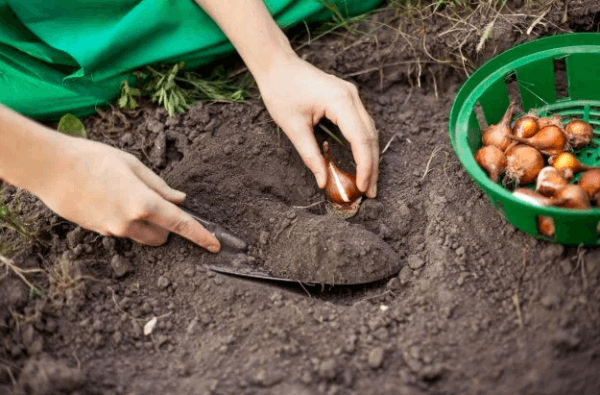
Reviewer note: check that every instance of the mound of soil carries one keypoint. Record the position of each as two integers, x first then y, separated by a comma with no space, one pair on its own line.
468,305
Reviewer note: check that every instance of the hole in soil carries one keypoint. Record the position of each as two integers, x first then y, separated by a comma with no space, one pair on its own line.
338,294
173,154
512,88
560,78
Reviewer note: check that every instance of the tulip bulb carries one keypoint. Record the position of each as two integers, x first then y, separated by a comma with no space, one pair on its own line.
524,163
497,135
572,196
554,120
579,133
590,182
567,163
526,126
341,189
549,181
549,140
492,160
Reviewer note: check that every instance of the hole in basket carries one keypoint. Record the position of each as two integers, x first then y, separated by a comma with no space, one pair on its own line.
512,88
480,117
560,78
545,226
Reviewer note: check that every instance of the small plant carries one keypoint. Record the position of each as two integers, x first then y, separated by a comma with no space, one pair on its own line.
11,267
166,92
177,90
128,96
12,220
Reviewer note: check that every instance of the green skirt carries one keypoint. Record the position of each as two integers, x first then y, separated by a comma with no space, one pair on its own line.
59,56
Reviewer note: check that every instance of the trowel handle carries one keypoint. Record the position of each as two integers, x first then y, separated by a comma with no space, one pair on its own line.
227,239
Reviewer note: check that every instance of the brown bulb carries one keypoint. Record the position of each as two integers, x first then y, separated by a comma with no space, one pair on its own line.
590,182
567,163
524,163
571,196
579,133
554,120
532,197
492,160
497,135
545,226
549,140
341,187
549,181
526,126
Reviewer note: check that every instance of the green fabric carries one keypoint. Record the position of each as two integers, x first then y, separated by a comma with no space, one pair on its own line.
59,56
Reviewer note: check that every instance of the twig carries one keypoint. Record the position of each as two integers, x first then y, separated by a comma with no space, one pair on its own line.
20,272
536,21
310,205
435,88
10,374
515,299
387,145
435,151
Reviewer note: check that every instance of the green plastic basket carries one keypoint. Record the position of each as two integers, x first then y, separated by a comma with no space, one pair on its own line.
531,67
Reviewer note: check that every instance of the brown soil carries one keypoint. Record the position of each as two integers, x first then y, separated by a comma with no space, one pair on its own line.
468,304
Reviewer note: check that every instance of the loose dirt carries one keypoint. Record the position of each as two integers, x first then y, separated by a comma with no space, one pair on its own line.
469,304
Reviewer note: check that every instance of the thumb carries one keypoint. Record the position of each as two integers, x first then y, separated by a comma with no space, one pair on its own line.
301,135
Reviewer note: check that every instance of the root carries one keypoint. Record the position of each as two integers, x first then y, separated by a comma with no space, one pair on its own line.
9,264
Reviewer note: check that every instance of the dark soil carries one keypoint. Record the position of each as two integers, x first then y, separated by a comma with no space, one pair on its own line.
467,304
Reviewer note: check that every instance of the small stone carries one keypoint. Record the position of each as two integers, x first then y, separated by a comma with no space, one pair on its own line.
75,236
328,369
127,139
550,300
405,275
189,272
263,237
394,284
228,150
415,262
163,282
376,357
121,265
460,251
108,243
551,252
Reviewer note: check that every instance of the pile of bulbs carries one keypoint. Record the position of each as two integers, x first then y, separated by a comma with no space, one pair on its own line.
519,152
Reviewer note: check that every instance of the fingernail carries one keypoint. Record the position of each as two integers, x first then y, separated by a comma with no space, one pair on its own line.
374,191
180,195
213,248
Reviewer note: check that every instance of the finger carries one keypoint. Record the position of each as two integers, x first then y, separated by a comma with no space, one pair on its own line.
172,218
157,184
372,131
301,135
146,233
361,139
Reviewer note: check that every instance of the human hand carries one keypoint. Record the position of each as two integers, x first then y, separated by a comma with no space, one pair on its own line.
298,95
111,192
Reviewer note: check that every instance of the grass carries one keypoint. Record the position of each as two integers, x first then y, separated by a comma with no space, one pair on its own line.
177,90
12,220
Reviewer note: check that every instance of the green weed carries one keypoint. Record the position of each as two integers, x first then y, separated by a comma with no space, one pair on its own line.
177,90
12,220
127,99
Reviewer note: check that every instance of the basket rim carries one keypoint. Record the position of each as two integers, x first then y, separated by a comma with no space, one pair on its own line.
493,70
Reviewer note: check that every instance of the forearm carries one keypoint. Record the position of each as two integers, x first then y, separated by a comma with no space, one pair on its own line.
252,31
28,150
